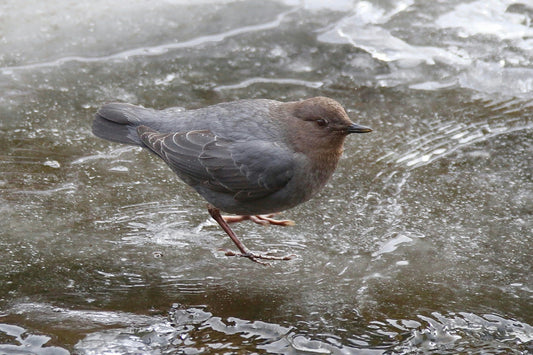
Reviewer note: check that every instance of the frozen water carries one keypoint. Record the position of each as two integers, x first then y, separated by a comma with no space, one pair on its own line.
421,242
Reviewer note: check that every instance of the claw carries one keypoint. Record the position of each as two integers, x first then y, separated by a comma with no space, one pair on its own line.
244,252
255,257
263,219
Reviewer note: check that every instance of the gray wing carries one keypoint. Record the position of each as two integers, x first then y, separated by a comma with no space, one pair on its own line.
249,170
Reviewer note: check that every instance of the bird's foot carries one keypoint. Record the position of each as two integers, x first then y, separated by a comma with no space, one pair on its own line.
244,251
263,219
258,257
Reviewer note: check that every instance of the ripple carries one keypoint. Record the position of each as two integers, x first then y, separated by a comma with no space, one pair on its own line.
489,332
438,147
113,154
154,223
448,137
83,319
196,330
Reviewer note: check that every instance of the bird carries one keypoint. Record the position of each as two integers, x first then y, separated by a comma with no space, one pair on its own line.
252,158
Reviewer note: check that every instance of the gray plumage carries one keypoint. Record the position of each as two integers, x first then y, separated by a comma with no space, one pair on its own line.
244,157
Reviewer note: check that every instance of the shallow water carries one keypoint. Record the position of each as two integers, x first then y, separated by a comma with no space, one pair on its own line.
420,243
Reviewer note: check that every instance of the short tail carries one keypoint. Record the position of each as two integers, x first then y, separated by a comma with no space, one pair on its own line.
118,122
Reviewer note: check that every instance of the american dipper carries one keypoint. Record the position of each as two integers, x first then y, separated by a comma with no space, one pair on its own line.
247,157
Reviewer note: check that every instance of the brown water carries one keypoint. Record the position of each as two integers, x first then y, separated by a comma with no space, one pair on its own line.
421,242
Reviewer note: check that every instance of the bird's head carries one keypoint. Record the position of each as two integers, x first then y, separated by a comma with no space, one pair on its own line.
321,124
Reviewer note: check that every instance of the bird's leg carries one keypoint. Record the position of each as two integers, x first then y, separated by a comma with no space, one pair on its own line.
263,219
245,252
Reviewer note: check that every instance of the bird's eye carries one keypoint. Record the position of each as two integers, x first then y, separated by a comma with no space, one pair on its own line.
322,122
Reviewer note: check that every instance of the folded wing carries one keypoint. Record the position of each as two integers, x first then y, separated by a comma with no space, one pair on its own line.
246,169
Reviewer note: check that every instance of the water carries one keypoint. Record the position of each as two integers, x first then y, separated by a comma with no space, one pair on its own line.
421,243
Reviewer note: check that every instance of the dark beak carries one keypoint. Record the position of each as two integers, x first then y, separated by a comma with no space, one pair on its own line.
355,128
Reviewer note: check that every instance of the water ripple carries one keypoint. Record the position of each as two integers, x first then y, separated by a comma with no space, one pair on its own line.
196,330
448,137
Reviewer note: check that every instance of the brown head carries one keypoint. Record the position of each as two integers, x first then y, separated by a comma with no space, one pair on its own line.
319,125
317,128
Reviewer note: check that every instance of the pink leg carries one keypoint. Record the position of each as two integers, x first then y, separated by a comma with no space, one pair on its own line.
245,252
263,219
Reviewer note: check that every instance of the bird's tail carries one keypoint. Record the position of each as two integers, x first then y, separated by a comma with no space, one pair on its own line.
118,122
